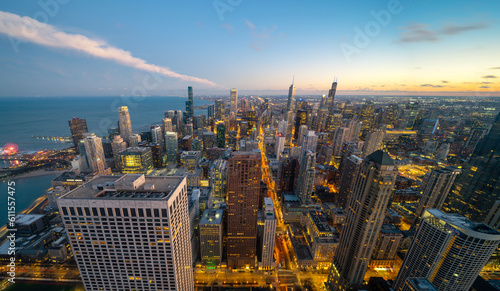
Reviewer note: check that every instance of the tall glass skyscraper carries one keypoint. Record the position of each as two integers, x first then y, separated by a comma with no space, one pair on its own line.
478,188
234,103
124,123
78,127
189,103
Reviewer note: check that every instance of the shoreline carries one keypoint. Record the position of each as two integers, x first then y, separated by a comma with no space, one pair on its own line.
36,173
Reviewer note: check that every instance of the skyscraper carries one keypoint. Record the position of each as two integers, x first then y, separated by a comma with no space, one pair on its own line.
234,102
189,104
309,143
279,145
435,188
117,146
340,136
77,127
364,217
219,109
307,173
167,124
268,235
157,136
350,168
134,235
477,189
331,96
218,178
94,153
136,160
124,123
243,203
134,141
291,98
449,250
373,142
172,146
211,230
221,135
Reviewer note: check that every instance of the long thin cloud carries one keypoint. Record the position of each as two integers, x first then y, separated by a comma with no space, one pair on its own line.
29,29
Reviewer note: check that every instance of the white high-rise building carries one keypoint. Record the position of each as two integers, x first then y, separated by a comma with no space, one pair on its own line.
268,235
157,136
309,142
449,250
372,189
435,188
94,153
373,142
302,131
124,123
340,136
234,102
354,130
279,146
130,232
282,127
134,141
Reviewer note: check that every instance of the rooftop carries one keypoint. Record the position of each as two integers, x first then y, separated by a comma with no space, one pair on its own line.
212,216
134,187
382,158
463,224
27,219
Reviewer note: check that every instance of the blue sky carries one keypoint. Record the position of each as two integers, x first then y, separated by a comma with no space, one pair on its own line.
107,48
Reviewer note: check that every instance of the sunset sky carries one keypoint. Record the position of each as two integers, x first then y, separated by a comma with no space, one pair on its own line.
109,48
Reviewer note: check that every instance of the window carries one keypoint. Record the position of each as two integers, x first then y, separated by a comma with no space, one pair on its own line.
72,210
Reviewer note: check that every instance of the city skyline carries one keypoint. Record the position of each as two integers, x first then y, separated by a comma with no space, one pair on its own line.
420,53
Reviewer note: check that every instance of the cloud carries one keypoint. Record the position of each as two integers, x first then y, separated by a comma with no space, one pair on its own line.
228,27
486,82
484,87
490,77
28,29
250,24
445,82
430,85
419,32
495,68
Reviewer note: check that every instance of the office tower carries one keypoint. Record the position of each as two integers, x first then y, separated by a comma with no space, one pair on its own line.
291,98
307,173
171,146
350,170
209,140
136,160
476,135
167,124
157,153
477,189
112,131
288,173
221,135
189,104
340,136
134,140
211,111
442,152
391,114
386,246
190,160
187,129
354,130
94,153
414,109
309,143
365,214
279,146
218,178
331,96
133,234
77,127
244,174
219,109
124,123
178,120
428,128
333,121
373,142
234,102
435,188
117,146
449,250
321,118
282,125
300,119
268,235
366,116
418,284
197,144
211,229
289,127
302,131
157,135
